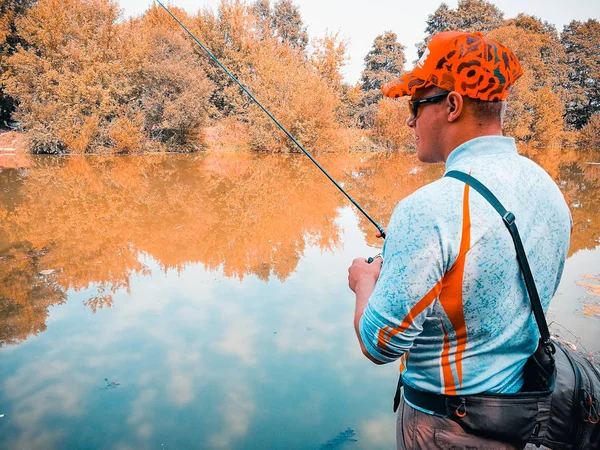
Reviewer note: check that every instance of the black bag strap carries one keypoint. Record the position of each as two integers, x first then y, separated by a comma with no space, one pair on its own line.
509,220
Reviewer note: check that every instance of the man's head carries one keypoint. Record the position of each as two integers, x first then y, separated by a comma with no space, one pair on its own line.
457,90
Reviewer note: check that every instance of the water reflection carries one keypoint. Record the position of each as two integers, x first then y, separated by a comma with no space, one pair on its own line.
577,173
211,287
88,220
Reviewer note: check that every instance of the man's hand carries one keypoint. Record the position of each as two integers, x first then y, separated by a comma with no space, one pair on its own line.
362,275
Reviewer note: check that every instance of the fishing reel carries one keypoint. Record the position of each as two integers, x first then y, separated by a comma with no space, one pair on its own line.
370,259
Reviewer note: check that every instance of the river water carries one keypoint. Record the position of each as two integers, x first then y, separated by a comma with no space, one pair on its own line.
201,301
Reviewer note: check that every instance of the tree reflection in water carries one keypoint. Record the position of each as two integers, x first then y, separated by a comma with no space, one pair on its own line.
92,220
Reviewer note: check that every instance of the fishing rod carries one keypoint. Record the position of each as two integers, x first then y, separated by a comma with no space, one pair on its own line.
288,134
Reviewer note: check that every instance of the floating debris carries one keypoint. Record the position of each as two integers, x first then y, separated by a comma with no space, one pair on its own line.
1,416
340,439
111,384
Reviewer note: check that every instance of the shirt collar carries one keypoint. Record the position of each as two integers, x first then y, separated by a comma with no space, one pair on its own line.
480,146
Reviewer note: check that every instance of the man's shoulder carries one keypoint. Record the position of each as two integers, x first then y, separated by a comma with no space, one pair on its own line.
440,192
435,202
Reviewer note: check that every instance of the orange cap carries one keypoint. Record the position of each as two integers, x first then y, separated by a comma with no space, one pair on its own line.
468,63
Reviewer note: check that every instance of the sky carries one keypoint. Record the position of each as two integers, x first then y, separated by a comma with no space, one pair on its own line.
360,21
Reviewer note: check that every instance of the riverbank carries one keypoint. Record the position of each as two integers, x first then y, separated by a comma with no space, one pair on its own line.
227,137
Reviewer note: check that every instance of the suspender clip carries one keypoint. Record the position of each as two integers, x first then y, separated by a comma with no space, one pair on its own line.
508,218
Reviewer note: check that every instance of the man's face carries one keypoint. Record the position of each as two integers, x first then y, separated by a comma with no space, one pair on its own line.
428,126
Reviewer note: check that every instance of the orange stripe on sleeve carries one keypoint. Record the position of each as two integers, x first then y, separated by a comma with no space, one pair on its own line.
410,317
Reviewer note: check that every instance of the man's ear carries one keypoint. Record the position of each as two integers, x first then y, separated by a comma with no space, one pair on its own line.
455,105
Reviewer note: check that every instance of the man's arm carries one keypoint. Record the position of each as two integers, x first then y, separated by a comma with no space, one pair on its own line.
362,277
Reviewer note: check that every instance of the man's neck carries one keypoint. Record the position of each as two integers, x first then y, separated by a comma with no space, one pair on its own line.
470,133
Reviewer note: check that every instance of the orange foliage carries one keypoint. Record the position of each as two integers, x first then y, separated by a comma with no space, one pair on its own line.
87,83
328,57
590,134
535,112
390,125
126,135
295,95
229,33
69,73
170,82
548,118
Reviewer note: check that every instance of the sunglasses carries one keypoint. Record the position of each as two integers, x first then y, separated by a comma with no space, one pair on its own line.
413,105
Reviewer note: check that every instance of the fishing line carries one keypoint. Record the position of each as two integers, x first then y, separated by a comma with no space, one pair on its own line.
214,58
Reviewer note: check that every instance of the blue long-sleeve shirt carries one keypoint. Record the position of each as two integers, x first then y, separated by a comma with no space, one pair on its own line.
450,300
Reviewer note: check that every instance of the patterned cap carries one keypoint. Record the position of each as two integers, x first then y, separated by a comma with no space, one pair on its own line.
468,63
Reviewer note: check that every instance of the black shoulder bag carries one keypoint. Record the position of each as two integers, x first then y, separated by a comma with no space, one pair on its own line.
559,404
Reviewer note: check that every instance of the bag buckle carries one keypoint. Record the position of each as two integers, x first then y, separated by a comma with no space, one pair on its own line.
508,218
549,347
461,411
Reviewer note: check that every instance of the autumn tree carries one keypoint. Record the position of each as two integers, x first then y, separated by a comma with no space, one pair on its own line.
170,88
469,15
287,24
283,22
89,83
263,47
328,58
67,80
590,133
384,62
535,110
292,91
581,41
551,70
229,33
261,9
9,39
390,130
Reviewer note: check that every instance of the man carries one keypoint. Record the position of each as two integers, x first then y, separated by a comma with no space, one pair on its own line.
448,298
